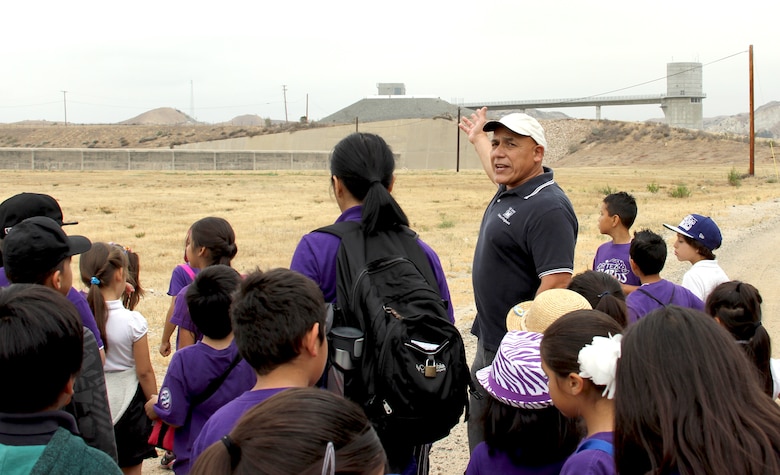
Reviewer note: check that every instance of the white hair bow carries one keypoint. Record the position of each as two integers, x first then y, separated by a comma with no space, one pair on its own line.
598,362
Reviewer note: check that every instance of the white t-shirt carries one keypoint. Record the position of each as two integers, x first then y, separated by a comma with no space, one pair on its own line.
704,276
123,328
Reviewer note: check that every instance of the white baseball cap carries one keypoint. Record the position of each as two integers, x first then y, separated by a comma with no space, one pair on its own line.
521,124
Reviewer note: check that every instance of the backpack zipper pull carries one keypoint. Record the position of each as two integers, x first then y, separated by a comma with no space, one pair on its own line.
388,409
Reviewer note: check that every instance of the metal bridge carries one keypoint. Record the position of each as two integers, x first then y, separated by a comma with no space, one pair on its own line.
580,102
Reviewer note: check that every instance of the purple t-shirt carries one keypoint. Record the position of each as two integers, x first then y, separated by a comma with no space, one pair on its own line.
668,293
181,384
181,315
591,461
612,259
482,462
222,422
78,300
181,276
315,257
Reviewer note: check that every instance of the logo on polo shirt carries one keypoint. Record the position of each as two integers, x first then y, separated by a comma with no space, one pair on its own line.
506,215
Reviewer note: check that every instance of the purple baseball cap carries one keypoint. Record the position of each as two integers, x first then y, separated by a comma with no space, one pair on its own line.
700,228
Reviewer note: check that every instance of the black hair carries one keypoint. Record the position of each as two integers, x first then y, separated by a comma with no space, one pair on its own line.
700,248
272,313
603,292
217,236
688,402
289,434
530,437
623,205
209,297
364,163
565,337
648,251
41,347
738,307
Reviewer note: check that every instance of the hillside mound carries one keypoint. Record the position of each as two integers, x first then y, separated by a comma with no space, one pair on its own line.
161,116
247,120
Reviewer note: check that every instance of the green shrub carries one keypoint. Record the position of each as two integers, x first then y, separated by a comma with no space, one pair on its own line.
680,191
653,187
735,178
606,190
445,222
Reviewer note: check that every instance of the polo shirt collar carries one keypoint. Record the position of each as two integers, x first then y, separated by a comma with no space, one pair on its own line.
533,186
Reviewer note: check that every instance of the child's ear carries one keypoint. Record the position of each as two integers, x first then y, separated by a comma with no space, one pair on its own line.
312,342
66,394
574,384
615,220
634,268
54,280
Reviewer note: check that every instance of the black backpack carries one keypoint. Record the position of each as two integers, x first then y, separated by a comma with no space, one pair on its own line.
413,378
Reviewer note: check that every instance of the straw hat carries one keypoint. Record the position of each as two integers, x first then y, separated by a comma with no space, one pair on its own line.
536,315
515,377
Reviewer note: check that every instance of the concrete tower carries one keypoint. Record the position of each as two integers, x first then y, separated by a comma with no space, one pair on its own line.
682,105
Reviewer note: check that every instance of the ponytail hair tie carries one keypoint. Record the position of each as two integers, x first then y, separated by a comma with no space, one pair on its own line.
603,294
233,450
94,281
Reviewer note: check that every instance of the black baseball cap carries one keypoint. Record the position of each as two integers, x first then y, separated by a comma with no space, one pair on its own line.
37,245
19,207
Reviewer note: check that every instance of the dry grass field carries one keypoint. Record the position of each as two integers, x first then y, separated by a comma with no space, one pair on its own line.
151,211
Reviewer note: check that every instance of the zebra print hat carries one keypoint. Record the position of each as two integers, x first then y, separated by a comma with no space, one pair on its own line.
516,377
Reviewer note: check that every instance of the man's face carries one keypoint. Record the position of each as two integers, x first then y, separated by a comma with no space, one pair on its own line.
515,158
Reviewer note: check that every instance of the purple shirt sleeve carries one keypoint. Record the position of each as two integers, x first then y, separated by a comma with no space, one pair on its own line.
180,278
181,315
87,318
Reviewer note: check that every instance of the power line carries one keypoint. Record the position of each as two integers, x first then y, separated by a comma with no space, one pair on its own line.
661,78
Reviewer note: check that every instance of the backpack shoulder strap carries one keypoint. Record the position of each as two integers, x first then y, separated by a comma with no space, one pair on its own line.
597,444
188,270
215,383
354,242
640,289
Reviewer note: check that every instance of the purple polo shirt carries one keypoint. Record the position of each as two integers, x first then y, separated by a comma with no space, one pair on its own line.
78,300
315,257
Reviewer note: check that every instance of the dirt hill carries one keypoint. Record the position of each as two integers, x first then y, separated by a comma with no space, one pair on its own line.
573,142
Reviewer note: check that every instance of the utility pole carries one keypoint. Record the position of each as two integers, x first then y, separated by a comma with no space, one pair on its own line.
192,100
65,106
752,131
284,91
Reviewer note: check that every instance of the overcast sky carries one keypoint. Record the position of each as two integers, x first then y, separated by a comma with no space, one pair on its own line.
228,58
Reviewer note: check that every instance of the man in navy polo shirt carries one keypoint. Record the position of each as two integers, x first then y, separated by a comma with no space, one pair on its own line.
527,236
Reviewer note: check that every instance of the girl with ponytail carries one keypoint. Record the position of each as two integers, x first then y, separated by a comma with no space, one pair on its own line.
737,307
361,168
